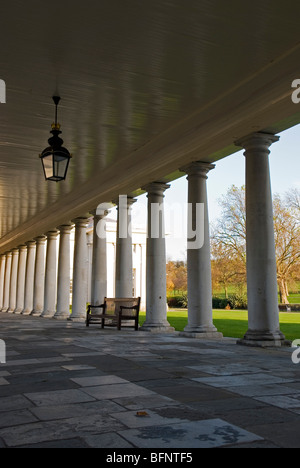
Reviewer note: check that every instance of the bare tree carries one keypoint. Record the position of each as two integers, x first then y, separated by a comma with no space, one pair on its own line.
287,241
230,234
230,231
293,200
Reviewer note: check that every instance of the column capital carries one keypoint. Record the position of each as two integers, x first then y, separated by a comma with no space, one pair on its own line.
52,234
258,140
8,254
40,239
156,188
120,202
65,228
198,168
102,210
130,201
30,244
15,251
22,247
81,222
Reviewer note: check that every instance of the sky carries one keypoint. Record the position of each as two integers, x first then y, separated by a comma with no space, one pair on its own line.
285,175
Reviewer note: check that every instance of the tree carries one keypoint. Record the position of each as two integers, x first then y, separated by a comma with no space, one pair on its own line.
293,201
176,276
227,267
287,241
230,231
230,236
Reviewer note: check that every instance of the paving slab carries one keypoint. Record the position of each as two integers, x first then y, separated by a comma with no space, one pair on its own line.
58,397
202,434
98,381
68,386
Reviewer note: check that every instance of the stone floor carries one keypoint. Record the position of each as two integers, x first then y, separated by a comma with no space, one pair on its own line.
67,386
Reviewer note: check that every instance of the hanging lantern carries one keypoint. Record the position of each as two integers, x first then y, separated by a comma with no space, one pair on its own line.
55,158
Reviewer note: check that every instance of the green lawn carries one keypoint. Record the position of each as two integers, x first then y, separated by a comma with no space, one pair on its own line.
234,323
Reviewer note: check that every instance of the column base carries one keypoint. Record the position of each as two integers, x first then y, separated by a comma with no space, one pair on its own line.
164,327
77,319
18,311
26,312
201,332
62,316
10,311
36,313
48,314
265,339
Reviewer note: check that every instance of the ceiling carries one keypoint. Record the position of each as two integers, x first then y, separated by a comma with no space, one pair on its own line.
146,87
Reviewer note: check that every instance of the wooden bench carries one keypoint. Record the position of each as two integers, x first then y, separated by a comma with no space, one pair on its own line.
114,311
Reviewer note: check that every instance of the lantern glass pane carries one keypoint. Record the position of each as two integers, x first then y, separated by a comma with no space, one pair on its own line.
48,166
60,166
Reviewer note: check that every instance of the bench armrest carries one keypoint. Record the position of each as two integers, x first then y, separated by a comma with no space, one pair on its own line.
90,307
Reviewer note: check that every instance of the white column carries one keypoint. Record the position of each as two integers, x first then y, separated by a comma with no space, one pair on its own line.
50,275
99,262
264,329
13,281
2,277
200,316
156,288
39,277
89,242
7,282
21,279
63,278
79,297
124,269
29,278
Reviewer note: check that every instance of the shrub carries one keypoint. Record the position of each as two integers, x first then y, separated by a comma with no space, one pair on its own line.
219,303
178,302
237,301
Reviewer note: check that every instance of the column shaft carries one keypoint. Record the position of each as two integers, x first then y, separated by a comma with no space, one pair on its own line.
13,281
99,263
156,289
200,319
39,277
261,256
21,279
7,282
63,279
29,281
79,296
2,277
50,275
124,268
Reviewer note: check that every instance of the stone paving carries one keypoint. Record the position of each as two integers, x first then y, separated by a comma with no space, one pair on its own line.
67,386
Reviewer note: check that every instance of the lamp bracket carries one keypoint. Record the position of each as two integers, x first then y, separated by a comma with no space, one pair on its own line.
56,100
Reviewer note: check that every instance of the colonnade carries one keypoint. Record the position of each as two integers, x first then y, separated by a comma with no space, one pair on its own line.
32,281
